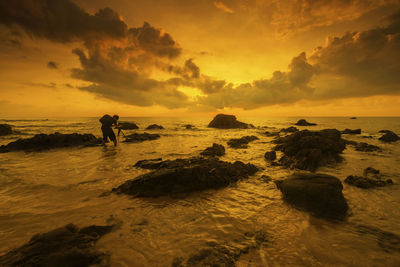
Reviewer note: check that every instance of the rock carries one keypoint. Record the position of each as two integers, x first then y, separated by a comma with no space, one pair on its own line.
65,246
137,138
241,142
385,131
266,178
270,156
223,121
309,150
185,176
366,147
47,141
366,182
303,122
348,131
5,129
189,126
290,129
389,137
154,127
353,118
215,150
320,194
271,134
128,126
147,163
369,171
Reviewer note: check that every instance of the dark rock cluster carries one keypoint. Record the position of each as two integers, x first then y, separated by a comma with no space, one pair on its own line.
241,142
371,178
389,136
137,137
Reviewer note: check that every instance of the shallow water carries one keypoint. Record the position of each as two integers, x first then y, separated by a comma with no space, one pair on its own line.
40,191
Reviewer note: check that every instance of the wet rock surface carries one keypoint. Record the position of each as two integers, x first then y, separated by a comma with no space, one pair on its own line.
365,147
389,136
349,131
309,150
215,150
303,122
137,137
371,178
5,129
270,155
185,176
241,142
128,126
65,246
320,194
154,127
48,141
223,121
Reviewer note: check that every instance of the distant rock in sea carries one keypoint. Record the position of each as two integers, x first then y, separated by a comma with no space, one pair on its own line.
65,246
137,137
223,121
303,122
215,150
154,127
5,129
348,131
320,194
353,118
241,142
185,176
389,137
128,126
189,126
48,141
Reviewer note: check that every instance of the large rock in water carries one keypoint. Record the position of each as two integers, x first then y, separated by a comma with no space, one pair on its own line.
128,126
65,246
389,136
320,194
309,150
303,122
223,121
215,150
47,141
5,129
186,175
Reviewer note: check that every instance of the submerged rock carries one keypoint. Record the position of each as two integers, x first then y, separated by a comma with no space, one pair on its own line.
290,129
223,121
366,147
303,122
366,182
186,175
320,194
128,126
5,129
309,150
215,150
348,131
241,142
271,134
65,246
270,155
389,136
47,141
154,127
137,138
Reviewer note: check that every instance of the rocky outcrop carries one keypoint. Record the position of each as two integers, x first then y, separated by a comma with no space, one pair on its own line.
154,127
48,141
137,137
389,137
241,142
303,122
309,150
371,178
320,194
65,246
5,129
270,155
349,131
223,121
364,147
290,129
185,176
215,150
128,126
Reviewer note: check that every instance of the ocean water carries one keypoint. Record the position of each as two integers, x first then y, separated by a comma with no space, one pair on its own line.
40,191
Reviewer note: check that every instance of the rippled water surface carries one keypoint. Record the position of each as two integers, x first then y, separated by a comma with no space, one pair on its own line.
40,191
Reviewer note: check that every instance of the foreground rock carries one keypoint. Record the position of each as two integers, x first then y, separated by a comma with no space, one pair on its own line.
309,150
241,142
154,127
215,150
5,129
47,141
223,121
65,246
320,194
128,126
371,178
137,137
348,131
303,122
184,176
389,137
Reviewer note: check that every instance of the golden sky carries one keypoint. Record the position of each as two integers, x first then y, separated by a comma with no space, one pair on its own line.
199,57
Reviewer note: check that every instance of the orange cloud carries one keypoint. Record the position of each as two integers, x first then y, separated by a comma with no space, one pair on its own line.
223,7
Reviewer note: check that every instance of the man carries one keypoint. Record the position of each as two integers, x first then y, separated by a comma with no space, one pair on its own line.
106,123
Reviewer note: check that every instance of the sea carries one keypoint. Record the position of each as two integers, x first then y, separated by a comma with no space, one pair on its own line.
41,191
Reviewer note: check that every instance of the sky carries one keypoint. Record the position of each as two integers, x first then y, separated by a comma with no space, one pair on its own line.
184,58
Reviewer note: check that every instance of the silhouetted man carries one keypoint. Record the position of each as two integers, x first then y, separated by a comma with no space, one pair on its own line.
106,123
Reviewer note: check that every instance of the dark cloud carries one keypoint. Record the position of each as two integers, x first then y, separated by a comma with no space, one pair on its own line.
52,65
45,85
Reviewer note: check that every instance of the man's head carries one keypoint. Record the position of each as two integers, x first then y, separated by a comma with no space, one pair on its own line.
116,117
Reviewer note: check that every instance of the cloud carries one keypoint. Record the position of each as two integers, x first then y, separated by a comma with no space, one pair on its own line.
220,5
52,65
